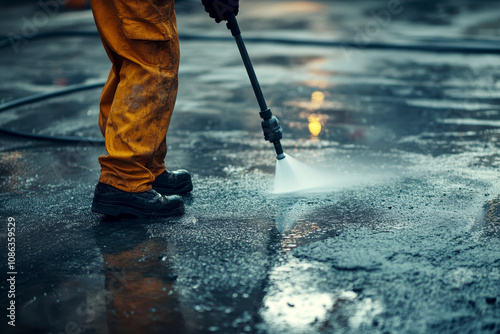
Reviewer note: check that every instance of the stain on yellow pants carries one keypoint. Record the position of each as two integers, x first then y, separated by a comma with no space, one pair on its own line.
140,38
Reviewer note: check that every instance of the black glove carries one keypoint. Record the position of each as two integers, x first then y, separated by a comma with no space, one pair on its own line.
221,9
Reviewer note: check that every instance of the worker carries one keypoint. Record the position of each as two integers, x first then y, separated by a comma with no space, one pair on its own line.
141,40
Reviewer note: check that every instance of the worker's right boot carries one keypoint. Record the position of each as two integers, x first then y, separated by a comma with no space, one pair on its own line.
111,201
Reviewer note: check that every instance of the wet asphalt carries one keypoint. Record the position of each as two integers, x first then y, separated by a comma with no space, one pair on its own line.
409,242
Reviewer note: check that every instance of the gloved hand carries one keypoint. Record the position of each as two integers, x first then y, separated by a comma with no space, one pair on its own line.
221,9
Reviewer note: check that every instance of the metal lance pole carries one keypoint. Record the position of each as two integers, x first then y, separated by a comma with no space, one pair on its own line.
270,124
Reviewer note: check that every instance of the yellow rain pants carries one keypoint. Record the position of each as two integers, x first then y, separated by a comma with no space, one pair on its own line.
140,38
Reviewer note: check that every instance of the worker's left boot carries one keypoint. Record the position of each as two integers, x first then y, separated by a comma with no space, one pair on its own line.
177,182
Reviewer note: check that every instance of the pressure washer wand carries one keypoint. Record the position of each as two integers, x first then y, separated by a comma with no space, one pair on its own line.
270,124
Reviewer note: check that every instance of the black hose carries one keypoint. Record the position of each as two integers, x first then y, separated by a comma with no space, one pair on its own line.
349,45
59,139
436,48
45,96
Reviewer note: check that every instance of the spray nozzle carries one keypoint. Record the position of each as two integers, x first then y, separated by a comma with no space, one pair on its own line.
273,132
272,129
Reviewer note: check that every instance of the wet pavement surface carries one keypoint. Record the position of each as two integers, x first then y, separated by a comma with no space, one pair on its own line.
409,241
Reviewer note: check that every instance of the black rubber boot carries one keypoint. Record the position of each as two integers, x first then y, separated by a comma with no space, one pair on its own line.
177,182
111,201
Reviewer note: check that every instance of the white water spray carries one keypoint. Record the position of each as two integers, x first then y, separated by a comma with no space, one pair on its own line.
295,176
